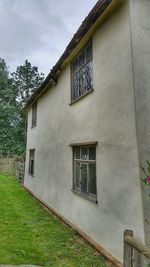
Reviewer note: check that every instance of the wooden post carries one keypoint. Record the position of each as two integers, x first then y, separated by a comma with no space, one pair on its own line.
128,250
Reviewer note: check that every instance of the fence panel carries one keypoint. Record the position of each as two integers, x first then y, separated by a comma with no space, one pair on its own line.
135,253
13,166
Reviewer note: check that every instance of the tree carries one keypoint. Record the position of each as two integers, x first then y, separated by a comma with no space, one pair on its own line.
7,109
25,81
15,90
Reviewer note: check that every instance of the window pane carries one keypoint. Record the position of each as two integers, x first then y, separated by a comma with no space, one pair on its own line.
82,72
32,167
77,174
75,65
31,161
89,52
84,177
89,76
84,169
34,114
32,153
77,152
84,153
82,59
92,179
82,82
92,153
75,84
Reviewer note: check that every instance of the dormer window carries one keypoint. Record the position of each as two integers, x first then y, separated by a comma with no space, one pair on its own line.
82,73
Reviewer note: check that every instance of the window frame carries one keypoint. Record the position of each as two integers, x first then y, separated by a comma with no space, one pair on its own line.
72,74
75,189
31,167
34,115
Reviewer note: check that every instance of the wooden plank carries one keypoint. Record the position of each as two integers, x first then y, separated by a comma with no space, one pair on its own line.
128,250
138,246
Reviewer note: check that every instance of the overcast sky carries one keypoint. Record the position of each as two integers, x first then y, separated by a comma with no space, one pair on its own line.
39,30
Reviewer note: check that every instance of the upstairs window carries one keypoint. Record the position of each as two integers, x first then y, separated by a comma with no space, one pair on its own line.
82,73
31,161
84,170
34,114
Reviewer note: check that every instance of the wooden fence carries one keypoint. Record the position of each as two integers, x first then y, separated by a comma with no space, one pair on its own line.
135,253
13,166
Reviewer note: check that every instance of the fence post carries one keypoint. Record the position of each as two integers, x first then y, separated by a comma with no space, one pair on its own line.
128,251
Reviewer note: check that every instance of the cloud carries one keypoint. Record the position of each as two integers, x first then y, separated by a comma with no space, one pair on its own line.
38,29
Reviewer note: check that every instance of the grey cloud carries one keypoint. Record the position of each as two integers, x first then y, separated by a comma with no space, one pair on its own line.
38,29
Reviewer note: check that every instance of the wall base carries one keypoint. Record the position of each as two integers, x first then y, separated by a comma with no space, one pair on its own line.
99,248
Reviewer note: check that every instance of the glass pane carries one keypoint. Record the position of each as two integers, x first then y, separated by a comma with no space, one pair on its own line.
82,85
77,174
75,91
77,152
84,153
32,154
82,59
75,65
32,167
92,179
34,114
89,75
92,153
84,177
89,52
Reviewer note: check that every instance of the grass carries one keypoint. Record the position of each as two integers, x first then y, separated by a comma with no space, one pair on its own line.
29,234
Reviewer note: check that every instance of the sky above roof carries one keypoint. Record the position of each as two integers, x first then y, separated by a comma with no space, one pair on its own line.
39,30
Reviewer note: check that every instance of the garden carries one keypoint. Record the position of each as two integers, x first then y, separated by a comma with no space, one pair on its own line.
30,234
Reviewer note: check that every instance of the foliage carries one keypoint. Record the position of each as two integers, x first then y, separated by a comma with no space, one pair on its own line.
15,90
26,80
32,235
7,109
145,173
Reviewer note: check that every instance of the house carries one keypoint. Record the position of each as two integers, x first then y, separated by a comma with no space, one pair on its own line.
89,127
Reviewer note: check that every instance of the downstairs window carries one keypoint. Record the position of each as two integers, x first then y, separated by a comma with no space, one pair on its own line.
84,170
31,161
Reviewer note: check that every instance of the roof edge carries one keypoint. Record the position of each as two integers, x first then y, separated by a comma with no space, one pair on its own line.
88,22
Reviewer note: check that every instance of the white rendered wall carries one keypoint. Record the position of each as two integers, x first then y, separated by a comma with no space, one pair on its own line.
140,29
108,116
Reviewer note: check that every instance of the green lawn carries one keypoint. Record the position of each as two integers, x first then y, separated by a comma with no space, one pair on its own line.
29,234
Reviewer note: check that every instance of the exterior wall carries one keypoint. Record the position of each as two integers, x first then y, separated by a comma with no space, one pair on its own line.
140,27
106,115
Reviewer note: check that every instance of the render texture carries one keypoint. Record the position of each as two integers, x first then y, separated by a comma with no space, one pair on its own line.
115,115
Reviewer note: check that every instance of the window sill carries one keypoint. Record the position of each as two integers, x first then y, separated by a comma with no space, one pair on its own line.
31,175
79,98
84,195
33,126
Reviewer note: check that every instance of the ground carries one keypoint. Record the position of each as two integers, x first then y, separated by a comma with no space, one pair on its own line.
31,235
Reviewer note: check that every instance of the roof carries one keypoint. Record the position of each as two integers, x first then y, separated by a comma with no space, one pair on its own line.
92,17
